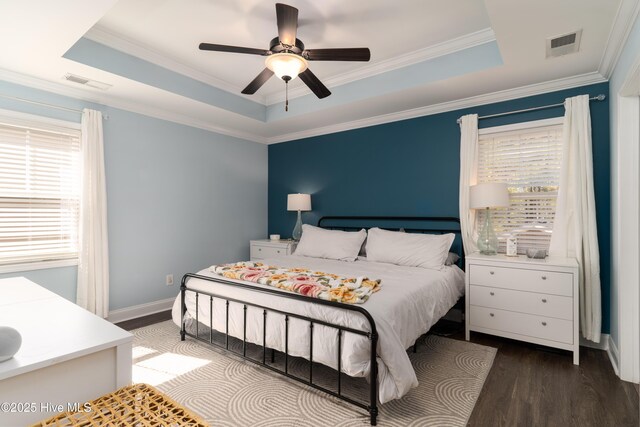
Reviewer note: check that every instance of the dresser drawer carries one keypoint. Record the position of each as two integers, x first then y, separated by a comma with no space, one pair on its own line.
546,282
261,252
529,325
524,302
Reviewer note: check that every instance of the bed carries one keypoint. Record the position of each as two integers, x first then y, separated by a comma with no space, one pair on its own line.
359,340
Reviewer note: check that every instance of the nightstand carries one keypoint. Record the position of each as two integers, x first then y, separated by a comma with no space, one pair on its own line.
533,300
261,249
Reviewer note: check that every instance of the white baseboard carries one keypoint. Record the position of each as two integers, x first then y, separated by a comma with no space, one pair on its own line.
141,310
606,344
602,345
614,356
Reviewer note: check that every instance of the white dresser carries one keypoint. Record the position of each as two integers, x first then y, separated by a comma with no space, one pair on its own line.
261,249
68,355
524,299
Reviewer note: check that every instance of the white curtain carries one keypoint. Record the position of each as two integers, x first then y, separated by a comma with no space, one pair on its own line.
93,269
468,176
574,229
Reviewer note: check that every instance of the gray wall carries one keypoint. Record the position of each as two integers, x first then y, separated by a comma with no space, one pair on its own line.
179,199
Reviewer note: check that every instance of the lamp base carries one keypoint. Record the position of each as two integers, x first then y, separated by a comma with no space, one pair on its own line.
487,239
297,230
488,252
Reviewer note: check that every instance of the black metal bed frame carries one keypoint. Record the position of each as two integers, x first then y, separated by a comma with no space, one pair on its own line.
371,333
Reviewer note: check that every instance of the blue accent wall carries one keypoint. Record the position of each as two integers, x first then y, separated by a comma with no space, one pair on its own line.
411,168
178,198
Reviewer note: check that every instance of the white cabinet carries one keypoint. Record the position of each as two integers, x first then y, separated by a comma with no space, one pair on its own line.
261,249
524,299
68,355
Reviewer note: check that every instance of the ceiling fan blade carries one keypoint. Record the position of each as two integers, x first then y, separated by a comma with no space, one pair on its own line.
345,54
314,84
258,82
287,23
233,49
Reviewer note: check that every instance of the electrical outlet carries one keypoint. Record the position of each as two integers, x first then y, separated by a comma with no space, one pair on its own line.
169,280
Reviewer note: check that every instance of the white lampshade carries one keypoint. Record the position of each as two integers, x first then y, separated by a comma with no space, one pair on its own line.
286,64
488,195
299,202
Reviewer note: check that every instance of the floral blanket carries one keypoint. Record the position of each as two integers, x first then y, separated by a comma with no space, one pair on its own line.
316,284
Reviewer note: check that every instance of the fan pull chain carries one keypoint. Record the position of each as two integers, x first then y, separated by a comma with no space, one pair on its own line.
286,96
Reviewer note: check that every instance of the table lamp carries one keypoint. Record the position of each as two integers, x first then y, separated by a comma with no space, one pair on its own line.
298,202
487,196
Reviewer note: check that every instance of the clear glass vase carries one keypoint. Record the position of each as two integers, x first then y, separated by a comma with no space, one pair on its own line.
297,230
487,239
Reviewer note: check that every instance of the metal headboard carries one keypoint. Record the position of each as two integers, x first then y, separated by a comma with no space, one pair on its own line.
410,224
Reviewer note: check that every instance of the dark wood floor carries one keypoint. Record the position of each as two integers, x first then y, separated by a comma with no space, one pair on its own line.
145,321
532,386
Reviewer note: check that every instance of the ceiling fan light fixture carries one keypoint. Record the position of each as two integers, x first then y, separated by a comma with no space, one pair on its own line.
286,65
287,56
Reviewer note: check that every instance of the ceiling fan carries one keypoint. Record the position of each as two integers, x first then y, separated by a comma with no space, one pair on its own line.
287,57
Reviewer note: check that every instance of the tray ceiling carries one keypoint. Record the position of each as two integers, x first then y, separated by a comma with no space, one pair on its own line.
427,55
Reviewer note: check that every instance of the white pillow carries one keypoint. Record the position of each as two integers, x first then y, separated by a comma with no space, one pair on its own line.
410,249
333,244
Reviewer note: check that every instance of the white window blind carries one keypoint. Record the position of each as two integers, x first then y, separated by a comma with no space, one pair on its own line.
39,191
529,161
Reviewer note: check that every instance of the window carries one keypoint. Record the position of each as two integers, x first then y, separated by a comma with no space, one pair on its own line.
528,158
39,190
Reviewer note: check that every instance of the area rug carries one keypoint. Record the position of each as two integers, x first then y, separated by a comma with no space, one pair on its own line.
228,391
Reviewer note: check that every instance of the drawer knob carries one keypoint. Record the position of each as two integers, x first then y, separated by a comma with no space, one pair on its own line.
259,249
544,300
278,251
544,277
491,293
491,314
492,273
544,323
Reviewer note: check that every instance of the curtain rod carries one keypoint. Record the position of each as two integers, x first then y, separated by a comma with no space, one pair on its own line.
600,97
57,107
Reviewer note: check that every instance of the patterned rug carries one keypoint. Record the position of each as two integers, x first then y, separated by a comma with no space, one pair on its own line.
228,391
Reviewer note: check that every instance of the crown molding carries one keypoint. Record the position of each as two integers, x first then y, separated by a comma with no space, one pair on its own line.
170,116
87,94
474,101
100,34
116,41
445,48
134,107
622,25
104,99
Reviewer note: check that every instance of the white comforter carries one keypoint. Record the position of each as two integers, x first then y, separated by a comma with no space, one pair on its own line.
410,301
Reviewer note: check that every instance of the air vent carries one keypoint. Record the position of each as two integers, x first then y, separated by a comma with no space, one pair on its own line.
86,82
563,41
76,79
563,44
